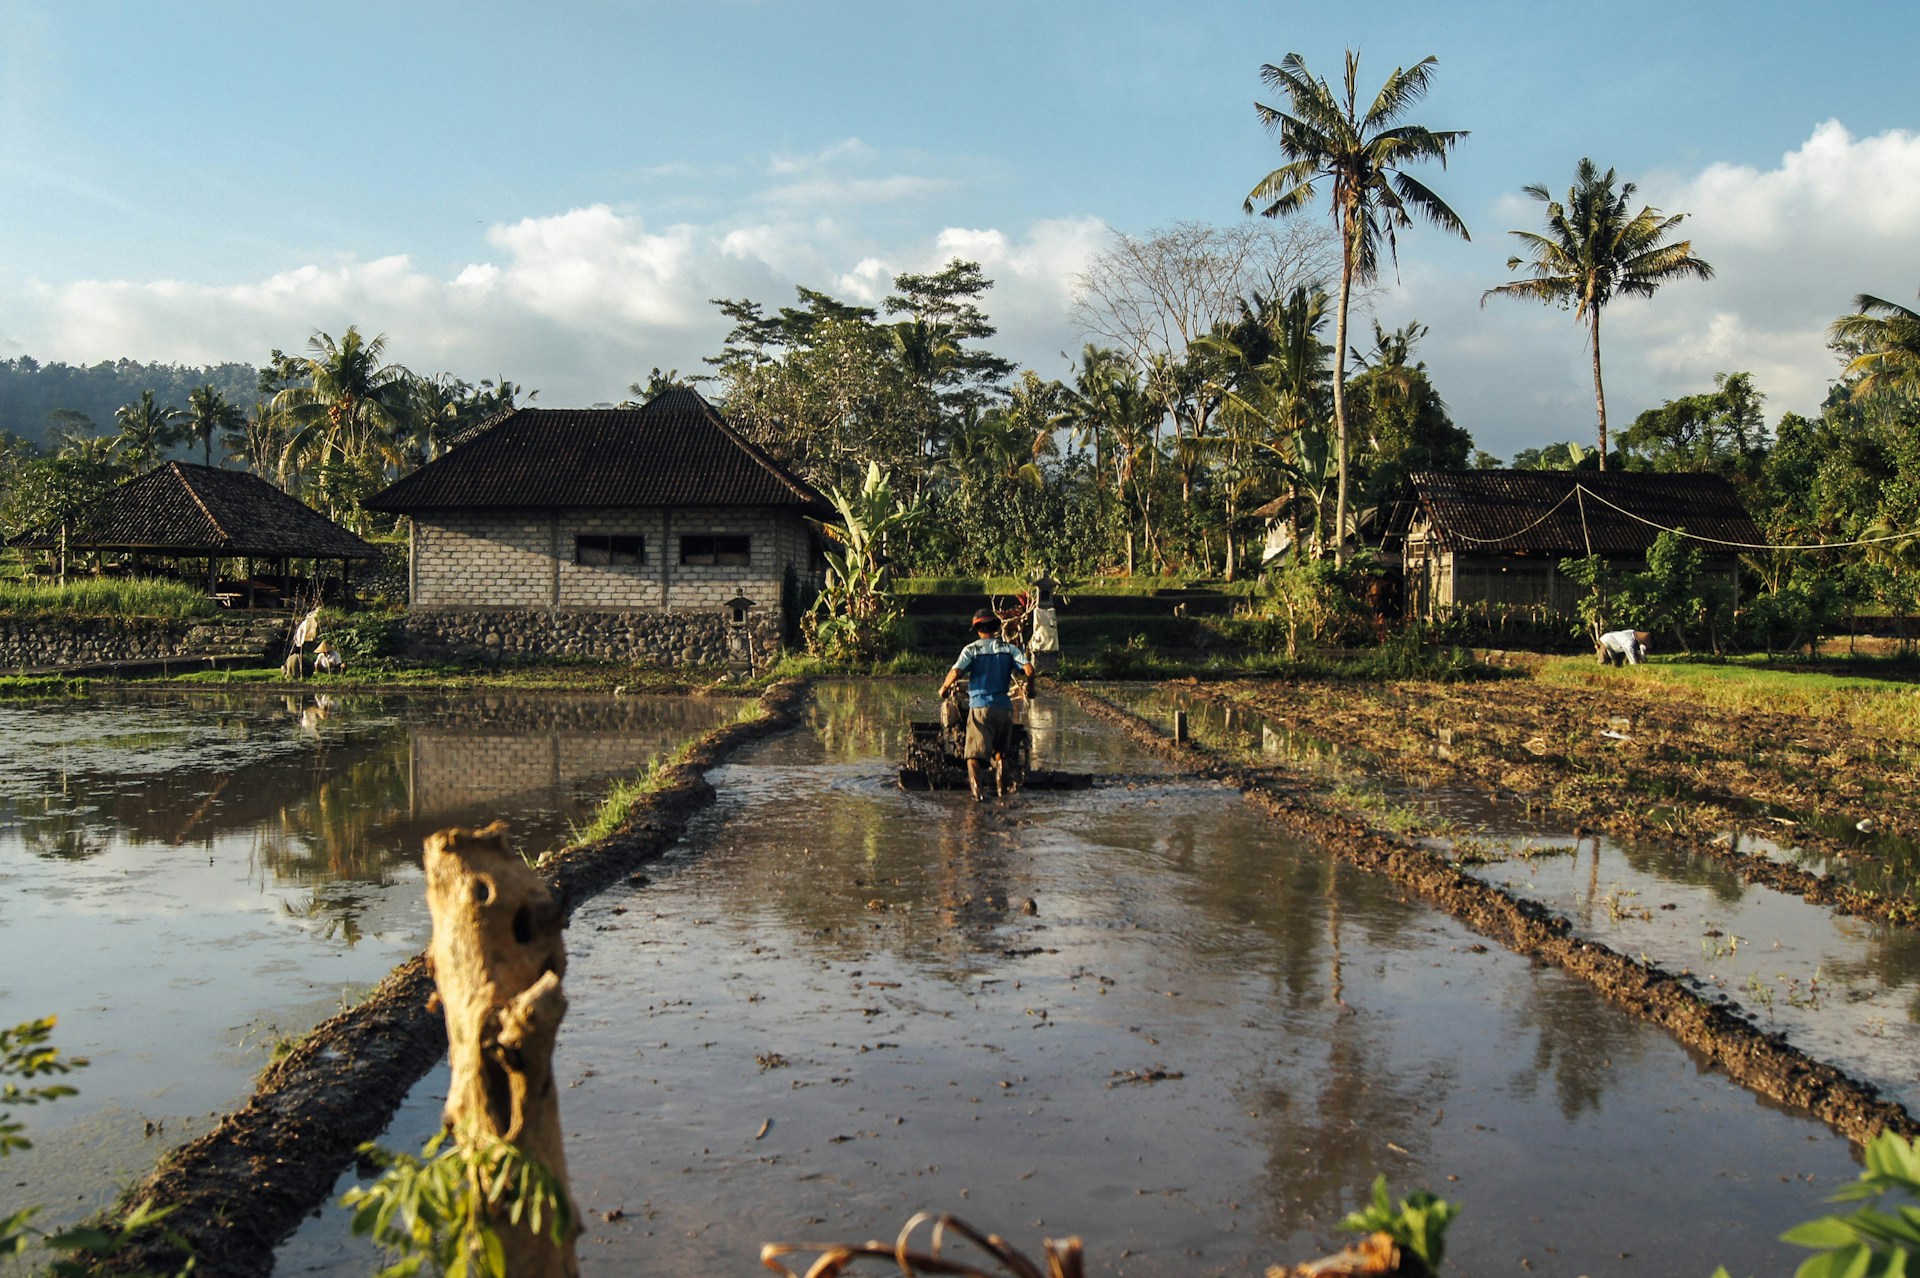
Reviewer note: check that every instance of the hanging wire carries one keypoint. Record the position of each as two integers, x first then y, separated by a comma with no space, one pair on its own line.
1581,492
1746,545
1490,541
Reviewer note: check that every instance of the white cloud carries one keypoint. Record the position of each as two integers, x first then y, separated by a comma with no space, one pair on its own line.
578,303
1790,244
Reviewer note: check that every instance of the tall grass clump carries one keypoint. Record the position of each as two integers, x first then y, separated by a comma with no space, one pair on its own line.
93,597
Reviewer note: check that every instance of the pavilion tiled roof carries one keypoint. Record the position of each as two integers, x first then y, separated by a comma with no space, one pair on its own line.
673,451
1567,512
180,508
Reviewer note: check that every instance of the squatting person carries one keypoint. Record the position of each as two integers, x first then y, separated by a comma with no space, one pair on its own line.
988,663
1629,646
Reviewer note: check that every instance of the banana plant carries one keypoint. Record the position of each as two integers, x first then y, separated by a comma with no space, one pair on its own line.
856,616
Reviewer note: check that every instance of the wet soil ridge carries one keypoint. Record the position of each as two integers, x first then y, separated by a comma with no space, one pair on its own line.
244,1186
1709,773
1763,1063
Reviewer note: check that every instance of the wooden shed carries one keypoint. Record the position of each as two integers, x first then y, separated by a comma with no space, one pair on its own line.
1469,538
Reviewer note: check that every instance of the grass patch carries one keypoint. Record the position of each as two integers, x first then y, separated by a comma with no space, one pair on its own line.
12,686
104,597
615,810
1868,705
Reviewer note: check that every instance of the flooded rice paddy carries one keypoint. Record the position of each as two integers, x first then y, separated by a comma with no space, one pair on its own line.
1844,990
1140,1014
188,879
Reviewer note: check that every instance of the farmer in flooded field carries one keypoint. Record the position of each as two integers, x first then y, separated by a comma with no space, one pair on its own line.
988,664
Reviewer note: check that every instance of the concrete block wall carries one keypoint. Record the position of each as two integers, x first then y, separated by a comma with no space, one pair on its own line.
516,559
489,559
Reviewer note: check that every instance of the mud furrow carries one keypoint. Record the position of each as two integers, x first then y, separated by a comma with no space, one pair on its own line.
1763,1063
1616,805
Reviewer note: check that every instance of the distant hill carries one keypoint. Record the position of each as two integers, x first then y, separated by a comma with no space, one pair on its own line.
30,390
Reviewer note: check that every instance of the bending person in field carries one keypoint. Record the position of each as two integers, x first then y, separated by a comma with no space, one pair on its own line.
988,664
1629,646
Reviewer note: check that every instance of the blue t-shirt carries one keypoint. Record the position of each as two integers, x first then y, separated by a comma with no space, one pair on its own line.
988,665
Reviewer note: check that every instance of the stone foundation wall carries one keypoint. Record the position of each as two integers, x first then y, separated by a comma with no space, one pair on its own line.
27,644
665,639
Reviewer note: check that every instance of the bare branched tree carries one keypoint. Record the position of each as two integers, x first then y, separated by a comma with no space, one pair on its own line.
1153,296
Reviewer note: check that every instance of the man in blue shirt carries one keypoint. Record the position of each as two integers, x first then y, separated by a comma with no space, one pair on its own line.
988,664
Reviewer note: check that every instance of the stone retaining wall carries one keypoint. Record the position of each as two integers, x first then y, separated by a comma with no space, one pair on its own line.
666,639
29,643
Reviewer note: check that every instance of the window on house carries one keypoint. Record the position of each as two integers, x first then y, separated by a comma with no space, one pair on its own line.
600,550
716,550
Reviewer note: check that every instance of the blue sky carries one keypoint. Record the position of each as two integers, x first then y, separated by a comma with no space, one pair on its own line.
551,192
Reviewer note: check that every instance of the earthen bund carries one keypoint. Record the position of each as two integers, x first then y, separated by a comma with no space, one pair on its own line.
235,1192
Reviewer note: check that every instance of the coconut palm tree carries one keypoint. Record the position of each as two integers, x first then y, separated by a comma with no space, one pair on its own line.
353,412
1883,339
208,411
1594,250
1360,153
147,429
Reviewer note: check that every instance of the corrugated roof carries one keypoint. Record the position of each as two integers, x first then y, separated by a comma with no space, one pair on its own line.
673,451
1538,511
182,508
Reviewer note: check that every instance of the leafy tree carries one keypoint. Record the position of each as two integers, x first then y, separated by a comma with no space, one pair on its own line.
1405,422
1594,250
1360,154
209,412
1882,339
1565,455
1722,431
147,429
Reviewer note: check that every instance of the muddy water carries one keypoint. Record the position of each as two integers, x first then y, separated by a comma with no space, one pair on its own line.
187,878
834,1007
1842,989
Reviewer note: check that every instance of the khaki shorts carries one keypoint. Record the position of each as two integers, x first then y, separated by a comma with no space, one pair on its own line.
989,731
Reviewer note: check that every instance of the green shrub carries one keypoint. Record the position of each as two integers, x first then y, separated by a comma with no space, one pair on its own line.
360,636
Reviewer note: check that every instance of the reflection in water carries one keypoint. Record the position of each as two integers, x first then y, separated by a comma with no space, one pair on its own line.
1196,1050
187,876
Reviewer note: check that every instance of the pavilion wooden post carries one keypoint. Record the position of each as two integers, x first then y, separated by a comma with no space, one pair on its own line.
497,959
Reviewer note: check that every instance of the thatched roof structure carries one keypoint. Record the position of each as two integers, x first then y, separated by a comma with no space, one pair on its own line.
675,451
1565,513
182,509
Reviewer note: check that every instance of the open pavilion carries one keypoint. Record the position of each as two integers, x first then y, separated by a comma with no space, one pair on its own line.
180,518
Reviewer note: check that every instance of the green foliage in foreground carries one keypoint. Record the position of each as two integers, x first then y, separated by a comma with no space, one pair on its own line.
105,597
1418,1225
1867,1242
27,1052
437,1212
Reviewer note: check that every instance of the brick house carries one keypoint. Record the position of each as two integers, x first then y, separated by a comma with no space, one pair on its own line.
621,532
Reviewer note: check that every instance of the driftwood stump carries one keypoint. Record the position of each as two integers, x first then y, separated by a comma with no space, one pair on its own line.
497,959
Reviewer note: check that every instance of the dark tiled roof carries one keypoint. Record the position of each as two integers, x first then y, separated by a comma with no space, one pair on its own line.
1539,511
675,450
181,508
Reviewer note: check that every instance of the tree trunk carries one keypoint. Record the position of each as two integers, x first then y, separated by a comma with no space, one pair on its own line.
497,960
1340,394
1599,391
